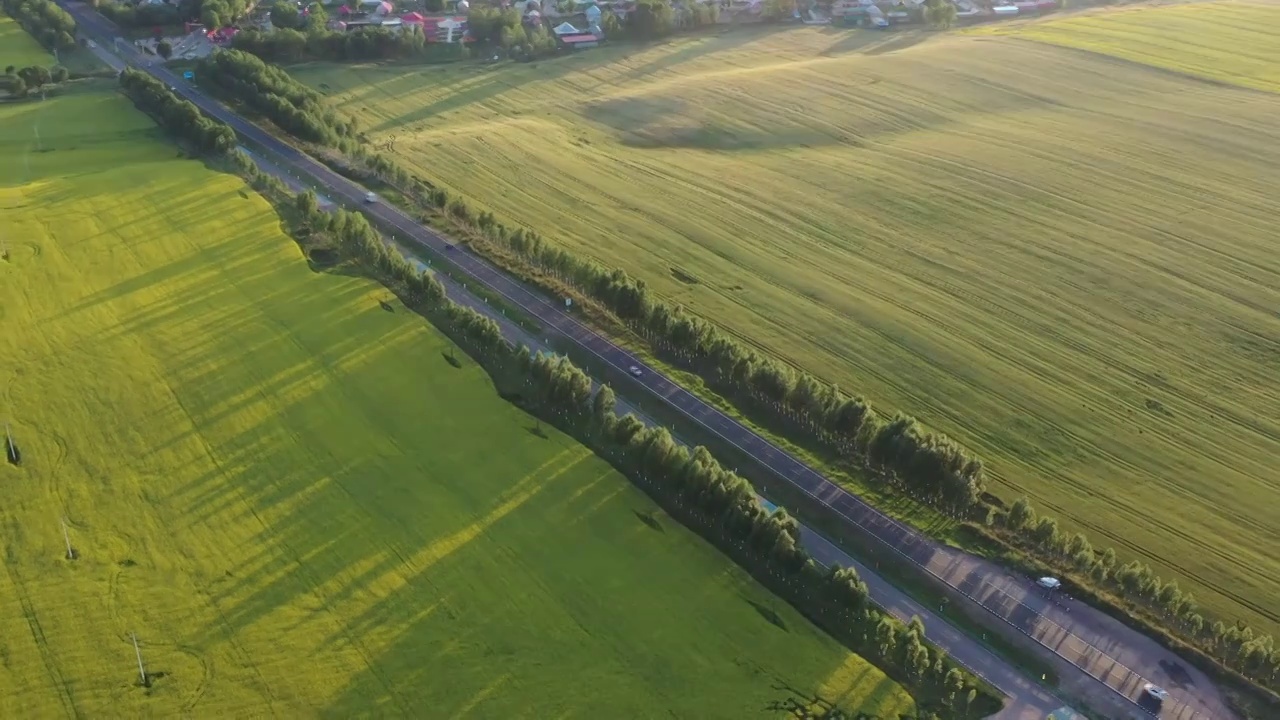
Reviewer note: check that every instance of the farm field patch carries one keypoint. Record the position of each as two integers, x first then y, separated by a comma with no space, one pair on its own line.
297,503
17,47
1231,42
1064,261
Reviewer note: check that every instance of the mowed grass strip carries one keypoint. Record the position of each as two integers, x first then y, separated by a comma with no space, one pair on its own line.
297,503
1063,261
1232,42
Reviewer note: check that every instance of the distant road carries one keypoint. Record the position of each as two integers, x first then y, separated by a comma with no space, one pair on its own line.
1078,639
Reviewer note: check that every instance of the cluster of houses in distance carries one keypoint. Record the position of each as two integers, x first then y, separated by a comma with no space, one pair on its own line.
576,23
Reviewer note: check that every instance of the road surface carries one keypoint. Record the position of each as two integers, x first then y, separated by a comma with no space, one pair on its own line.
1115,656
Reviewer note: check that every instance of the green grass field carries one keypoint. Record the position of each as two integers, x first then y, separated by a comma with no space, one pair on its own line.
17,48
1232,42
1062,259
300,507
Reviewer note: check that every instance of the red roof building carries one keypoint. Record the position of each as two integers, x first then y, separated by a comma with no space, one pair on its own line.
575,42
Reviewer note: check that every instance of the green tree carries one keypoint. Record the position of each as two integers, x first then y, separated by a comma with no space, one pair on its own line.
307,204
1046,534
58,74
164,49
1021,515
775,10
17,87
940,14
651,19
35,76
510,37
1169,597
210,16
285,15
317,18
611,26
1108,559
604,403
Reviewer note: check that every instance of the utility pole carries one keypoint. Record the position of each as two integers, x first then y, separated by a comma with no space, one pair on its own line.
8,437
71,554
142,671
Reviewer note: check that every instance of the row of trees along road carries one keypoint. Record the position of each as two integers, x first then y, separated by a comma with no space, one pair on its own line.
691,484
302,36
931,466
928,466
269,91
178,116
319,43
45,21
212,13
266,90
1237,646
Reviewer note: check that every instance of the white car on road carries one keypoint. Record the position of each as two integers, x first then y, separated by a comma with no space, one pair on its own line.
635,371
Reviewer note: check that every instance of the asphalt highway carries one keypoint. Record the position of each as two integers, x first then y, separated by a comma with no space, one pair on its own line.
984,586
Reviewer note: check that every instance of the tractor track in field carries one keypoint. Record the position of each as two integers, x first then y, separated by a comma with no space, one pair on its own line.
65,696
206,676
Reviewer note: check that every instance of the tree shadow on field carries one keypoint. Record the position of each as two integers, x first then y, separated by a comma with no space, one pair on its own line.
195,264
658,122
194,313
770,615
868,42
417,538
650,519
407,528
473,90
80,184
371,518
711,137
896,42
721,41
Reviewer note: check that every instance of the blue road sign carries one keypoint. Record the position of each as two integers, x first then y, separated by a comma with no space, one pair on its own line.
188,75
